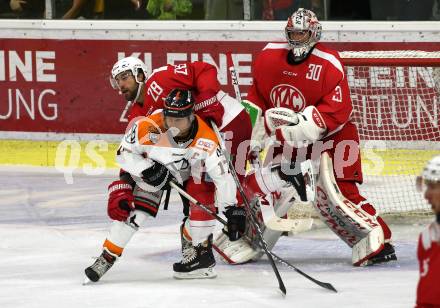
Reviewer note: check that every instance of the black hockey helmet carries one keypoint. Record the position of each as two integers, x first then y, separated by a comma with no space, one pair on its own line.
178,104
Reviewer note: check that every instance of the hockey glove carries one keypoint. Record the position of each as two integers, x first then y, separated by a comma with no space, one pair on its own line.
236,217
209,108
158,176
120,200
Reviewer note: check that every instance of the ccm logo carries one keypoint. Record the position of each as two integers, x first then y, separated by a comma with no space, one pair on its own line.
289,73
317,119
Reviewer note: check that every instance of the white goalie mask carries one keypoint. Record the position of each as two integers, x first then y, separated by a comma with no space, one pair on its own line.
431,173
303,31
130,65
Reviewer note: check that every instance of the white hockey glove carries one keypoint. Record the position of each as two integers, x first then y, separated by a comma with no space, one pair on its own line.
278,117
296,129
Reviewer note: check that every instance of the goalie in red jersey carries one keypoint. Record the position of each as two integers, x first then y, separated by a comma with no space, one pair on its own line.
428,251
302,90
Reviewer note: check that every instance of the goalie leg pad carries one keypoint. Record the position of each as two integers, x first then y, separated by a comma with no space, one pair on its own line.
351,191
245,250
349,221
367,247
236,252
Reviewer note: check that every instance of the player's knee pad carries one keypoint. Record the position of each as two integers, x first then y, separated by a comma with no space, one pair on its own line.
350,222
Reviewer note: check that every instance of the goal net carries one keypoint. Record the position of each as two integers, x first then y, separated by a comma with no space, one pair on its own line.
395,98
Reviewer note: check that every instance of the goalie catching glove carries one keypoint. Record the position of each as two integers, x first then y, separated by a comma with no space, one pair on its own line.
295,129
236,217
120,200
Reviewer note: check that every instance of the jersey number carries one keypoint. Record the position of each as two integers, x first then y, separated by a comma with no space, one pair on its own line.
314,72
337,96
155,90
181,69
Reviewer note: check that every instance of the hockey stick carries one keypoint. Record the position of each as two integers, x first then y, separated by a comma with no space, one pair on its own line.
181,191
263,244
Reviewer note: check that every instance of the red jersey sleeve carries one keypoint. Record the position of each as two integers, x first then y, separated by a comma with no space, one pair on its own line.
335,105
204,78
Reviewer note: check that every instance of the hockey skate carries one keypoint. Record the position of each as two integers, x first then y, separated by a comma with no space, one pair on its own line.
387,254
100,267
197,261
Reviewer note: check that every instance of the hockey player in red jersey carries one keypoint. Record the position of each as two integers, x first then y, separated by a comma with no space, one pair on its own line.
302,90
170,145
211,104
428,251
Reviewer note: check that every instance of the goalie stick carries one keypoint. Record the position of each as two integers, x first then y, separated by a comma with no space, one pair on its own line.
181,191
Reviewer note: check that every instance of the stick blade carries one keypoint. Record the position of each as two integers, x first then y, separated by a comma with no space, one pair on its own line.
328,286
283,289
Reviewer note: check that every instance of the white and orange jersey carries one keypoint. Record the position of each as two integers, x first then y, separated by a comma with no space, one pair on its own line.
148,141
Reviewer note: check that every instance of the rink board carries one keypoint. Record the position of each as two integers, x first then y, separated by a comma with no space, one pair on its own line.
99,153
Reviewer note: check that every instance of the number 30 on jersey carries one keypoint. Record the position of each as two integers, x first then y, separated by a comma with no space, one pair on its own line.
314,72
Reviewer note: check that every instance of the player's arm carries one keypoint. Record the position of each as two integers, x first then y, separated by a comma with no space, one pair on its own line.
218,170
132,158
206,87
226,192
335,107
204,77
329,115
121,199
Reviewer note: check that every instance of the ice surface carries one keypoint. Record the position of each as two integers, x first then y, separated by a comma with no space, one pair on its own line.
49,232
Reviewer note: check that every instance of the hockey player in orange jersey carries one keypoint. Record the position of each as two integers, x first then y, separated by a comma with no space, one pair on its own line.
177,145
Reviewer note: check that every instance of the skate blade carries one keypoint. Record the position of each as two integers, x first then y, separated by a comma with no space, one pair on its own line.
205,273
87,281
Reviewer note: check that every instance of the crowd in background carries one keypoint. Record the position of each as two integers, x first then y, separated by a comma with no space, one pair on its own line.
220,9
